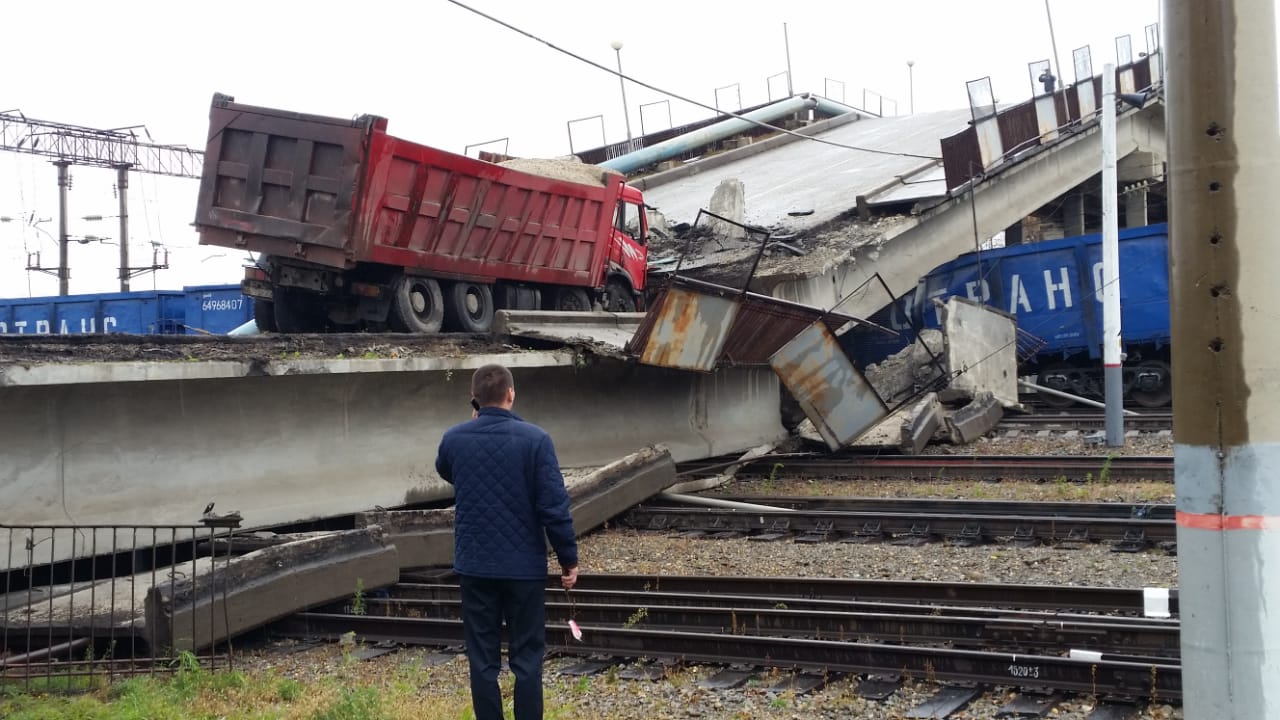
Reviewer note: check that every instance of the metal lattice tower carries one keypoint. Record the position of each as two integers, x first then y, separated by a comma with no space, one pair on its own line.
119,149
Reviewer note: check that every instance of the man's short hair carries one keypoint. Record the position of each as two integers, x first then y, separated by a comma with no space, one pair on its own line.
490,383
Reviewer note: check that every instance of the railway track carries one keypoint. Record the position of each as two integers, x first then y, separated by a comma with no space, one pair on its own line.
1062,421
1069,468
818,626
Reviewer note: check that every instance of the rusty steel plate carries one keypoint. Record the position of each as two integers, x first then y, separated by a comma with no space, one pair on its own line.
833,393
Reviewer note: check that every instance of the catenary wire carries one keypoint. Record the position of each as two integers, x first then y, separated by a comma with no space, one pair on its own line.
682,98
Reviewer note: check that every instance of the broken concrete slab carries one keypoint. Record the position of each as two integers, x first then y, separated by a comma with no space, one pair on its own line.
242,593
922,422
981,350
976,419
728,201
599,330
425,537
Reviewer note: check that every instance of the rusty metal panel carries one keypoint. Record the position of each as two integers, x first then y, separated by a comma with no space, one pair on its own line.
687,331
1019,128
960,157
834,395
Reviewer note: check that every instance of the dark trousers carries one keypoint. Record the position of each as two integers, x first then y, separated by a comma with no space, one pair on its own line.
486,603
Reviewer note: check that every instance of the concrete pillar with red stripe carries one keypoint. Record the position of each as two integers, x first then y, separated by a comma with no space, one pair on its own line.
1223,113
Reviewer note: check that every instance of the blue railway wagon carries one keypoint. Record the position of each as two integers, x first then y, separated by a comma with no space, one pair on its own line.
1054,290
216,309
139,313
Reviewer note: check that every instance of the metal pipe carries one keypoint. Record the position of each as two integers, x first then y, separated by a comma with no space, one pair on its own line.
247,328
1067,395
645,157
718,503
1112,372
1222,112
786,40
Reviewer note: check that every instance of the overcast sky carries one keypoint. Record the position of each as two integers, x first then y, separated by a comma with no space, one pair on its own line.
446,77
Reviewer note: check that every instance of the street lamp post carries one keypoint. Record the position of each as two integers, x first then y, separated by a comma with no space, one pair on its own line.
911,86
622,84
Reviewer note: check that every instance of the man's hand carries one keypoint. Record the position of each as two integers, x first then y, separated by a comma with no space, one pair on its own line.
569,577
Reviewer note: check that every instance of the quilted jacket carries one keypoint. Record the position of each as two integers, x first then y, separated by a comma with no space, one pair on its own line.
509,497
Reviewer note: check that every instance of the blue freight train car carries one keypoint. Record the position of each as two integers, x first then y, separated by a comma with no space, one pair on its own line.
140,313
216,309
1053,288
205,309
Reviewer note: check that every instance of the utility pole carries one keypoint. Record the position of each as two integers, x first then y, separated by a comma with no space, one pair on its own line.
64,269
1222,111
1112,371
122,190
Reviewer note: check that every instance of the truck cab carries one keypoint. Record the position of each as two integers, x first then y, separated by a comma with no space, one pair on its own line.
628,254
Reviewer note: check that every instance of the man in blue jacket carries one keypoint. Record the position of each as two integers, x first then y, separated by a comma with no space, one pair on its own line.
509,500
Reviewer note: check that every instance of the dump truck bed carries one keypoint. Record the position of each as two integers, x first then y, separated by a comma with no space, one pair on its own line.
340,192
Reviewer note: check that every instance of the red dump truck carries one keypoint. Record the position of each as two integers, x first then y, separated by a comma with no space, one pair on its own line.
357,229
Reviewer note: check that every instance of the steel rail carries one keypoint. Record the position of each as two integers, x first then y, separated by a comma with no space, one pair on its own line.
937,467
1080,421
1060,509
956,627
874,526
736,588
1157,677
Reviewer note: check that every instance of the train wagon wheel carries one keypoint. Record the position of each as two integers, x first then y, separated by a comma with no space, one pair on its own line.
571,300
1158,397
469,307
618,297
1054,401
417,305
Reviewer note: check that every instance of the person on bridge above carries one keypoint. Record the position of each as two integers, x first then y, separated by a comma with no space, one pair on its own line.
509,500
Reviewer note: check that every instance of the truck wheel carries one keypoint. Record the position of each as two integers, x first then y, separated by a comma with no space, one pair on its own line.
571,300
417,305
264,314
469,307
297,311
618,297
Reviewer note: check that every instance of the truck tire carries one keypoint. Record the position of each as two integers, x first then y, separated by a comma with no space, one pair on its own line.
297,311
567,299
264,314
469,307
416,305
618,297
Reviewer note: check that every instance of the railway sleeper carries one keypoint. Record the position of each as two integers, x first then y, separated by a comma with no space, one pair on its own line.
821,533
1025,536
870,532
971,535
1134,541
920,534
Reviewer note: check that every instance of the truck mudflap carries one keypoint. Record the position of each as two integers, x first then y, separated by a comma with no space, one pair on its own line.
281,183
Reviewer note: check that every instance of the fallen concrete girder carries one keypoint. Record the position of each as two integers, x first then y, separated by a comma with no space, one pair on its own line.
230,597
290,440
976,419
425,537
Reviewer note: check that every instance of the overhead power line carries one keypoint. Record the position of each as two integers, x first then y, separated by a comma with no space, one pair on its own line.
682,98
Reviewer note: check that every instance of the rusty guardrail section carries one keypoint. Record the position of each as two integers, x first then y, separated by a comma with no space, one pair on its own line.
71,615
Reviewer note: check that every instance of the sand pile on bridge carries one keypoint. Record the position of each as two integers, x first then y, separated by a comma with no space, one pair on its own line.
568,169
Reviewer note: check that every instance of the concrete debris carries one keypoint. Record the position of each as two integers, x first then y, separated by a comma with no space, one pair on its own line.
907,371
246,592
729,201
976,419
568,169
921,423
605,333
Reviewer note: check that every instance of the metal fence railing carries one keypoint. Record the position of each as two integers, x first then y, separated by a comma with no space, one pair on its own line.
85,604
